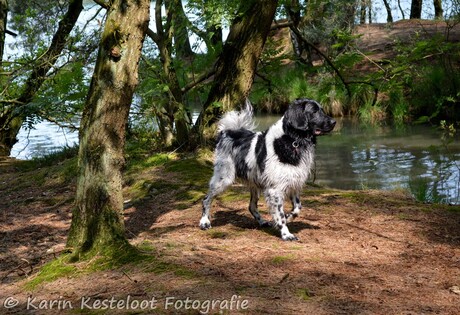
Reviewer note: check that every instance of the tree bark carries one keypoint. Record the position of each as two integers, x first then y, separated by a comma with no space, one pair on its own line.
3,20
416,9
179,25
235,67
388,9
438,11
362,12
97,222
11,116
174,119
401,10
302,51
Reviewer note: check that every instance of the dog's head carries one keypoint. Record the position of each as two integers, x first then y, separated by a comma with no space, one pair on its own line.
306,117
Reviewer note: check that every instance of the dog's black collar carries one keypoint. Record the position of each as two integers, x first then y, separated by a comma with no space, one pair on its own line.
299,142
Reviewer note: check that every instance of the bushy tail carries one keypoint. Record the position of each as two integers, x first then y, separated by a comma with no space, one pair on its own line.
235,120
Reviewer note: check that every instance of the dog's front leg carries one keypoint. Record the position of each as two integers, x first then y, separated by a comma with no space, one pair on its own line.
275,200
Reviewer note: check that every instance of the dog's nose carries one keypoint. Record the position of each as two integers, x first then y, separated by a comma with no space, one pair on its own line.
332,123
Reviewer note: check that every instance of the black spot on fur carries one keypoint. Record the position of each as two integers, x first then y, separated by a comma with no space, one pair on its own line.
286,151
261,151
242,142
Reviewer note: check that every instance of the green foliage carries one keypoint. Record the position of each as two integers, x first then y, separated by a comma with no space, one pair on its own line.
61,98
426,73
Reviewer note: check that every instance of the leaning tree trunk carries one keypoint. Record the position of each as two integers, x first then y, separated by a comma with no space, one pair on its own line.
97,222
10,111
389,14
237,63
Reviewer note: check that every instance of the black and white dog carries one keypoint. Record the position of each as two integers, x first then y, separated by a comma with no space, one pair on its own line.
276,162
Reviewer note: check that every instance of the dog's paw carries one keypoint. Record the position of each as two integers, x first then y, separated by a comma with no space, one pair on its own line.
205,224
289,237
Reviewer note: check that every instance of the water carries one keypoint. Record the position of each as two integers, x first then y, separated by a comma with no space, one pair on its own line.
44,138
354,156
414,158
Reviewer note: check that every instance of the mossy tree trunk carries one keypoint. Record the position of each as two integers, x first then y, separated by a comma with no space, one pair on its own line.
12,110
97,221
236,66
174,118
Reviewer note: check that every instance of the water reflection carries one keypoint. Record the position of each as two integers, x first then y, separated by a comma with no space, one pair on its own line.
413,158
44,138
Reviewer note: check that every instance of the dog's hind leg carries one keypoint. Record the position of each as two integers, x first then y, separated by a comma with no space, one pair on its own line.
296,207
253,207
275,201
224,175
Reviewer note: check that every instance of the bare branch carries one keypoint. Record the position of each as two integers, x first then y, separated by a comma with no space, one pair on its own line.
326,58
199,80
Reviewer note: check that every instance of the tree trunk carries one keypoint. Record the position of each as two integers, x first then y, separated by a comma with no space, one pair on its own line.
181,38
5,137
401,9
362,12
302,51
416,9
438,11
3,16
97,223
11,117
174,115
237,63
388,9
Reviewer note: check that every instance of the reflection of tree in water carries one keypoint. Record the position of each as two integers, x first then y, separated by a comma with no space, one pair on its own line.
440,180
413,160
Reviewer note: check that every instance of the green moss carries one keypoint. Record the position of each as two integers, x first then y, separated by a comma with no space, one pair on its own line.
51,158
279,260
213,233
191,170
157,266
140,257
51,271
233,195
304,294
136,164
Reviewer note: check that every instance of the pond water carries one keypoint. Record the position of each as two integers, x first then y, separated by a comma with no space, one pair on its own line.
414,158
354,156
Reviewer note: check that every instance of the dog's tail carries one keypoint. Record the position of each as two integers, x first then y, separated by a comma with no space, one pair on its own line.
235,120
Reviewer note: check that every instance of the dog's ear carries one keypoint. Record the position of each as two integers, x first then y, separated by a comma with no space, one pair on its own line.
296,116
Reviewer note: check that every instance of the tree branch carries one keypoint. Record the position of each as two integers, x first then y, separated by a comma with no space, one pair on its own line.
328,61
277,26
199,80
102,3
